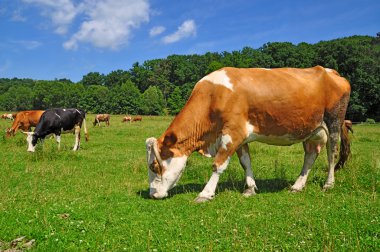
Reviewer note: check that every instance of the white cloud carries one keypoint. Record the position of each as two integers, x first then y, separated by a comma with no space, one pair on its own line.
187,29
104,23
110,23
61,12
157,30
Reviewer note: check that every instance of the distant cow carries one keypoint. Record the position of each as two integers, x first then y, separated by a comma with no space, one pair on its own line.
58,121
126,119
231,107
102,118
348,124
8,116
24,120
137,118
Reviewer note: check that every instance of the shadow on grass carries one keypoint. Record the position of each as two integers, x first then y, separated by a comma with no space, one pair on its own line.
264,186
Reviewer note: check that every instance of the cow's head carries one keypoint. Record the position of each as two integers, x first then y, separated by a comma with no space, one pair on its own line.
32,140
163,173
9,132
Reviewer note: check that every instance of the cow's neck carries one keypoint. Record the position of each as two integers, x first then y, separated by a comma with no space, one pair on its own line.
189,132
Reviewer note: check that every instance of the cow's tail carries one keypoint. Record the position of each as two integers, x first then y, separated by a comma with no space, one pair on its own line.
85,129
345,150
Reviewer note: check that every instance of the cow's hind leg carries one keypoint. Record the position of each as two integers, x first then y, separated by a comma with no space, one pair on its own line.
77,138
312,148
245,161
332,151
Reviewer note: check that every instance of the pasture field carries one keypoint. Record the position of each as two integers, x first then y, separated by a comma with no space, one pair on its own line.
96,199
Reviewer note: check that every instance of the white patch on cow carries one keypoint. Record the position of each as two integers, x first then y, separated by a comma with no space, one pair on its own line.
267,69
220,142
159,185
249,127
29,139
219,78
329,70
223,167
226,139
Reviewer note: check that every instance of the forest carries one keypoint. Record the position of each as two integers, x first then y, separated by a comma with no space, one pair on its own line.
162,86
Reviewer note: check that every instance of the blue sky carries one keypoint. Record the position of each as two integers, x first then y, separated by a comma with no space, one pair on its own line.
54,39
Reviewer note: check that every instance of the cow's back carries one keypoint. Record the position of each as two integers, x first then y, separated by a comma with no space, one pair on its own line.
274,101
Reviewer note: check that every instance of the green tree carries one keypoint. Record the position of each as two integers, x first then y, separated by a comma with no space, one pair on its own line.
95,99
93,78
116,78
153,101
125,99
176,101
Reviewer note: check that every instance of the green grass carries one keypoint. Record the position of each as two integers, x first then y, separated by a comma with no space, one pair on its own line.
96,199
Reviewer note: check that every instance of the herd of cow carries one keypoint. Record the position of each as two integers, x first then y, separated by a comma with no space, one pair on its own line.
54,122
228,109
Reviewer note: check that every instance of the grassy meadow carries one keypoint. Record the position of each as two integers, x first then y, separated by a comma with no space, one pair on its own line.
96,199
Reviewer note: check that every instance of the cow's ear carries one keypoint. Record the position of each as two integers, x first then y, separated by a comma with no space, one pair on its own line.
170,139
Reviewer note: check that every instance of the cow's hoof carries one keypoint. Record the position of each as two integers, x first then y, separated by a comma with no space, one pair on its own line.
327,187
249,192
201,199
295,190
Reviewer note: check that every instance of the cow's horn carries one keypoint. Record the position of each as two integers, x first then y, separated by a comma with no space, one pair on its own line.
157,154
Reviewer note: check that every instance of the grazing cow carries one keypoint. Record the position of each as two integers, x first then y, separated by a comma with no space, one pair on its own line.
8,116
348,124
137,118
231,107
24,120
126,119
57,121
102,118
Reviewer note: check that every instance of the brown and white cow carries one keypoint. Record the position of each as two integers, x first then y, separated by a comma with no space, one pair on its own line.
9,116
126,119
102,118
231,107
24,120
137,118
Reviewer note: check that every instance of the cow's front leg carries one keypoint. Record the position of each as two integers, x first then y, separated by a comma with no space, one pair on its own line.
222,158
245,161
58,140
77,138
208,192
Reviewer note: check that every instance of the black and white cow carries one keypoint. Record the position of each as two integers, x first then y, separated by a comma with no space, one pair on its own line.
57,121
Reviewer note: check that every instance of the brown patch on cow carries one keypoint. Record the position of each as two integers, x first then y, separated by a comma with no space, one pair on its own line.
25,120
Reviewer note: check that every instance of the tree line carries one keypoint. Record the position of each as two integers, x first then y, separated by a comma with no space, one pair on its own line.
162,86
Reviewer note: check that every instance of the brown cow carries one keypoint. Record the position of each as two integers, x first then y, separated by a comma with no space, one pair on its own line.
24,120
348,124
126,119
231,107
102,118
137,118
